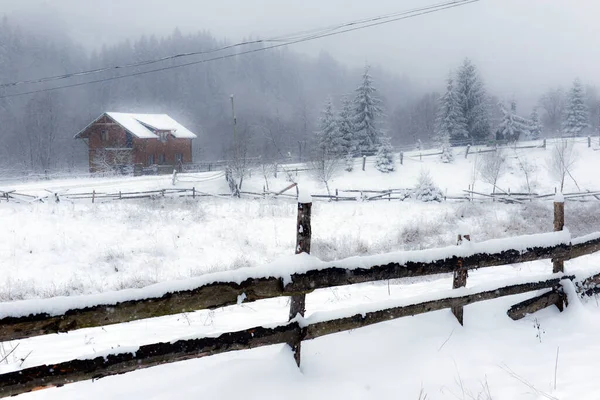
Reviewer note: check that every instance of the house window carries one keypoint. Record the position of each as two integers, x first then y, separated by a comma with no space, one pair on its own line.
179,157
163,136
128,140
161,158
150,159
104,134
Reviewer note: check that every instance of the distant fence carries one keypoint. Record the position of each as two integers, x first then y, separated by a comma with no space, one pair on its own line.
339,195
24,319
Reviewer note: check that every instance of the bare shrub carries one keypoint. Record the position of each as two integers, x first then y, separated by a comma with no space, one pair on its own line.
325,167
561,162
492,167
528,168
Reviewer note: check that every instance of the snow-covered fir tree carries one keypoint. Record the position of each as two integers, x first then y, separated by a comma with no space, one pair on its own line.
367,115
576,119
349,163
447,155
450,123
536,125
328,136
426,190
512,126
473,101
346,126
385,156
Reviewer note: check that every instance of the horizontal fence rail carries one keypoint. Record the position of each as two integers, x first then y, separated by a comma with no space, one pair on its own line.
303,329
15,325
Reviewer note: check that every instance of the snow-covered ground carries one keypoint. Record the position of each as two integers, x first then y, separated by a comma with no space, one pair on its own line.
50,249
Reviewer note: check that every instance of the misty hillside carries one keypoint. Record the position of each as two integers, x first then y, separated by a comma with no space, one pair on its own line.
278,93
279,96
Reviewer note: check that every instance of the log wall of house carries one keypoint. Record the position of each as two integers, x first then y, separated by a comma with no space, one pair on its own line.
142,149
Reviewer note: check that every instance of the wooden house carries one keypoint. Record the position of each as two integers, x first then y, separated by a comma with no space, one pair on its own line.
121,140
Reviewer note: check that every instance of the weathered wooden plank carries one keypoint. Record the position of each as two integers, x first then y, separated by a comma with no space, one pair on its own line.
146,356
365,319
529,306
335,276
222,294
459,279
205,297
162,353
303,242
559,224
590,286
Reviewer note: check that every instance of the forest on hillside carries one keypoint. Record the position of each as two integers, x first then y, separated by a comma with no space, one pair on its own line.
280,98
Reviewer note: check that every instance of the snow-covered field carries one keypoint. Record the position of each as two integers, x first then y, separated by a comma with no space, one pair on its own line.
51,249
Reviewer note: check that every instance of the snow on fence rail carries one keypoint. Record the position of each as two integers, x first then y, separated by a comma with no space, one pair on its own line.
295,276
339,195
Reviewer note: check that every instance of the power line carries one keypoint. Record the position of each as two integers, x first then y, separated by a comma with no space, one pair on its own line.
378,21
293,36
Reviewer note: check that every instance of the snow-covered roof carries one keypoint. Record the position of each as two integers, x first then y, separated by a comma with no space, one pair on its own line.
144,125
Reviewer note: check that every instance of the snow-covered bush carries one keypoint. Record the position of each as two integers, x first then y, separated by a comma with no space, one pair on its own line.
447,155
426,190
385,157
349,163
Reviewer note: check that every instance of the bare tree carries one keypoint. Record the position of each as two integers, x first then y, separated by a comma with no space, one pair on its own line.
528,168
239,164
113,160
268,168
325,167
41,131
493,167
475,171
553,103
561,162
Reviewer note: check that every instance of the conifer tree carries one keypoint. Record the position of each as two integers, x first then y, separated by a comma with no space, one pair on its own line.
576,119
536,126
346,127
450,123
385,157
328,136
473,101
367,115
512,126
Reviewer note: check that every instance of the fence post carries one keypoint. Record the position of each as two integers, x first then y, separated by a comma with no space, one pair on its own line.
364,161
401,158
420,156
336,195
460,280
559,224
119,195
544,145
467,151
589,141
303,237
93,196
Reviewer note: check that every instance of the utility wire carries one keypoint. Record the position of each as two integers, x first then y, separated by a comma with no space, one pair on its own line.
293,36
378,21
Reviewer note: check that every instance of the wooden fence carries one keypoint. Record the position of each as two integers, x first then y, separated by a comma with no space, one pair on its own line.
17,321
339,195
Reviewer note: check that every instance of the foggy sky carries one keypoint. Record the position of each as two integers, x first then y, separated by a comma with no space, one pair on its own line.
520,46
